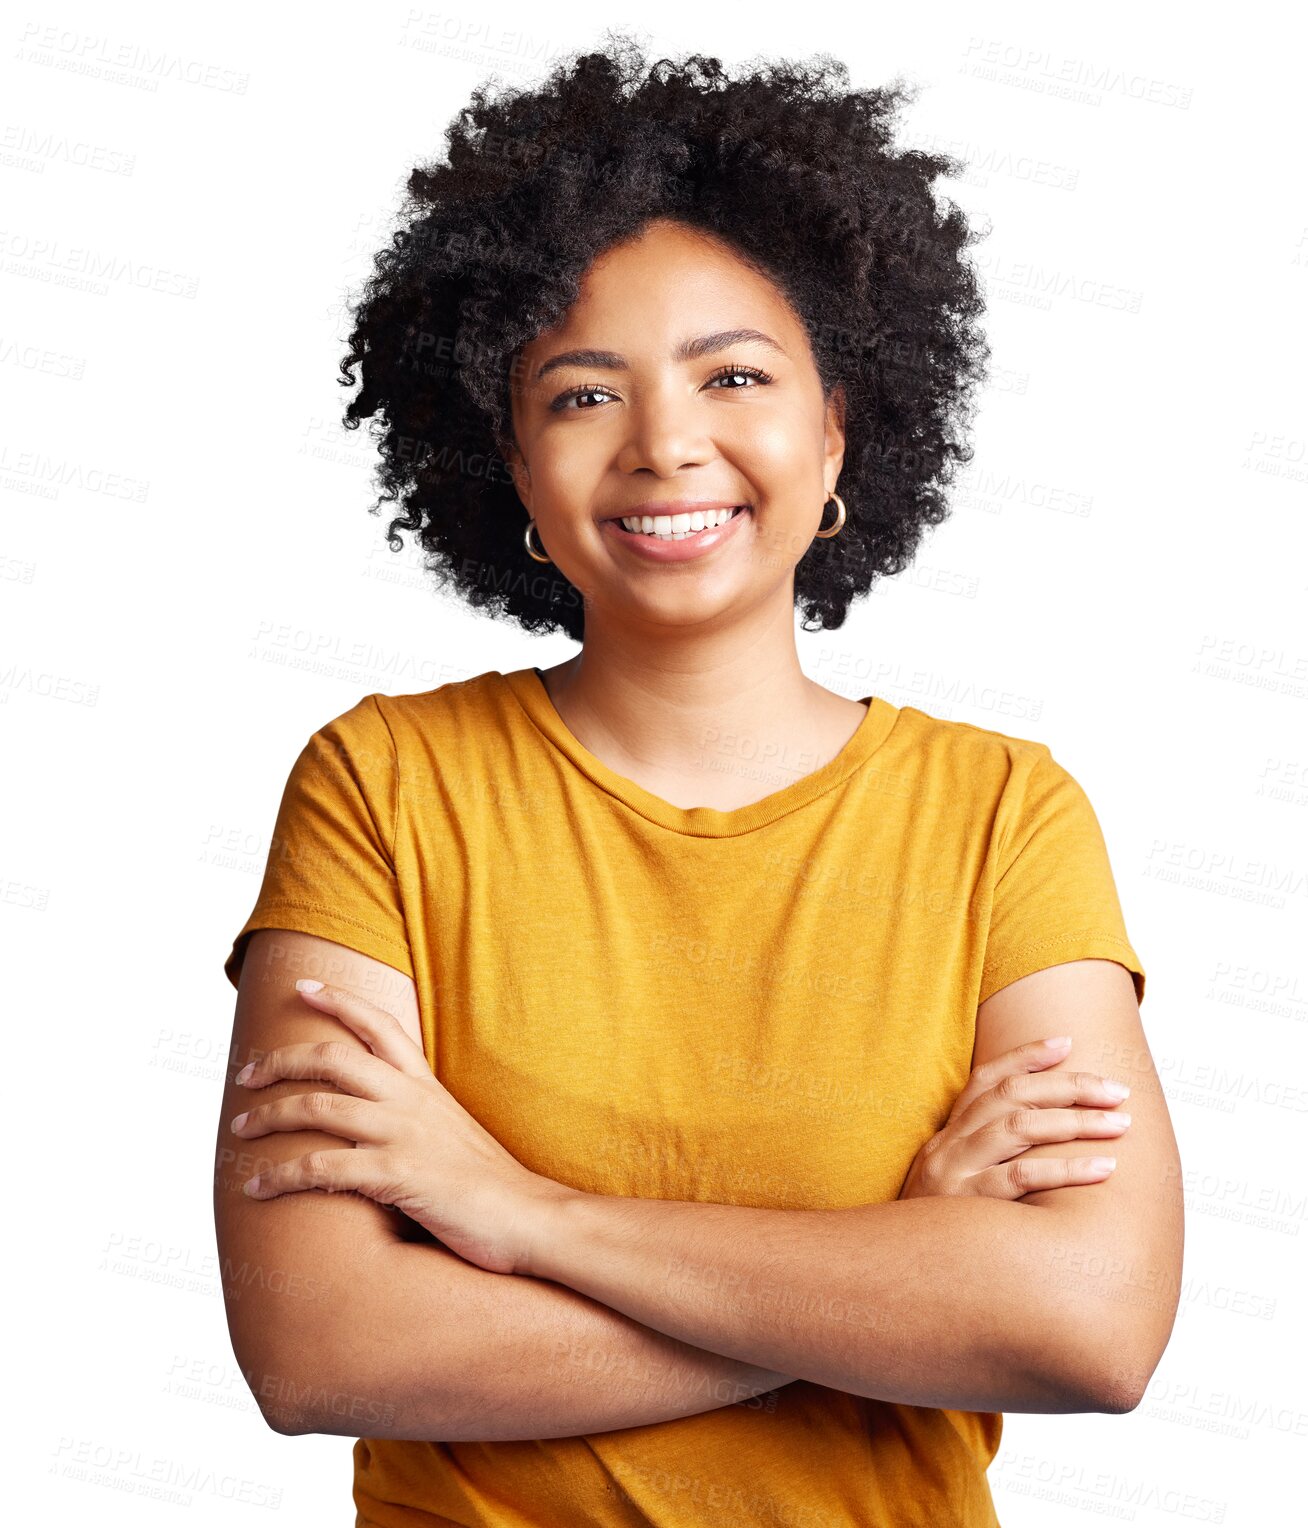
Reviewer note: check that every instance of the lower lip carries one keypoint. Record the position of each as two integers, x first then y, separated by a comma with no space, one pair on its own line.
695,545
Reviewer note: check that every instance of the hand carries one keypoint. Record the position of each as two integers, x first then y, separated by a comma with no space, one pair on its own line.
1005,1108
416,1147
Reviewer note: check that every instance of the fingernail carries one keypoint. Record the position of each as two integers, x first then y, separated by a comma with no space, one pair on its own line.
1058,1042
306,984
1117,1090
1102,1164
244,1074
239,1121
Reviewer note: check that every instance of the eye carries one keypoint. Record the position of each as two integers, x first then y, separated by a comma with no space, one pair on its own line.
561,402
739,371
591,389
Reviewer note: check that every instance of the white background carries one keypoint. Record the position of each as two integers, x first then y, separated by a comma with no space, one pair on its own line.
192,584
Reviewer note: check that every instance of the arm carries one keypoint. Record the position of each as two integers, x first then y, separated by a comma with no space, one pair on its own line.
343,1323
1118,1245
975,1304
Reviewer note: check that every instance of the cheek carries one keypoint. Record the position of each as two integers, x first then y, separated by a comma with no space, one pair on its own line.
578,439
777,451
565,476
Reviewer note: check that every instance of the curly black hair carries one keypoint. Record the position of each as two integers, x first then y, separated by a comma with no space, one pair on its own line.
785,164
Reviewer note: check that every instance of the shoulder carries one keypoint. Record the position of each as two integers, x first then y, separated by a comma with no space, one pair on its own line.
425,746
986,779
387,750
446,715
986,754
389,723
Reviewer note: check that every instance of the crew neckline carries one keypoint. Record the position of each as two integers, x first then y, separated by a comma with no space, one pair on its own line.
527,687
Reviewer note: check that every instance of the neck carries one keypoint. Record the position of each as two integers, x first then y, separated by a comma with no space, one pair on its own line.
684,709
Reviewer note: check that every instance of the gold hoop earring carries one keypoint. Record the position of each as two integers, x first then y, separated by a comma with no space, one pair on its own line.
840,516
531,550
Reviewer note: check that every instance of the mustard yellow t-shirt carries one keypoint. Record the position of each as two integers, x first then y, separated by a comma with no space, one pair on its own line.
772,1006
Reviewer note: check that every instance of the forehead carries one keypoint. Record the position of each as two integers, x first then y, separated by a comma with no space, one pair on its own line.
663,285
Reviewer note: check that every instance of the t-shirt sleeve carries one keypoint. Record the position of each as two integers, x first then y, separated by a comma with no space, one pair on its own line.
331,864
1055,898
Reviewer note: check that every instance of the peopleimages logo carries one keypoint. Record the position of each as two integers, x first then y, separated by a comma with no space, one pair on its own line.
127,63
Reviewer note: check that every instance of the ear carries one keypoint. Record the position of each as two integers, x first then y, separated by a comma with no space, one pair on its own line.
518,470
506,438
834,443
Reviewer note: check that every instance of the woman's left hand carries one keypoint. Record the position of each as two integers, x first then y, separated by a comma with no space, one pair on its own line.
416,1147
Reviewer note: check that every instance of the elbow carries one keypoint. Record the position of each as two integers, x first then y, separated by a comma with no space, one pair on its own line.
1114,1400
1121,1371
308,1381
285,1376
290,1425
290,1358
1125,1381
284,1399
1089,1365
310,1371
1116,1390
1107,1360
1131,1352
1113,1396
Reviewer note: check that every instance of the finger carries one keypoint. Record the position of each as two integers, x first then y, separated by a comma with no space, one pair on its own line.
380,1031
1029,1175
1014,1131
336,1061
360,1172
1034,1056
355,1119
1048,1088
1043,1090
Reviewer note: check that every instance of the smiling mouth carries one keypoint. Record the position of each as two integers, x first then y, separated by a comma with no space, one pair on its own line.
678,527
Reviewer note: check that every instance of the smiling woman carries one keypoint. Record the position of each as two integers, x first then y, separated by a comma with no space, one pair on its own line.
830,278
698,1153
745,453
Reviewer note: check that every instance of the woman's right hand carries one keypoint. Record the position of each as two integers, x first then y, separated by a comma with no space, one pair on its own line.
1009,1104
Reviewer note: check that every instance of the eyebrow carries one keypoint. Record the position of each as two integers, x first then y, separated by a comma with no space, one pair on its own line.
687,350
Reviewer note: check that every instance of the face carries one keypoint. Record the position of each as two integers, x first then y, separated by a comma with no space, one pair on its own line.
664,414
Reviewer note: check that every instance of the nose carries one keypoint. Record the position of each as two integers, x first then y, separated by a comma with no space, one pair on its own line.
666,430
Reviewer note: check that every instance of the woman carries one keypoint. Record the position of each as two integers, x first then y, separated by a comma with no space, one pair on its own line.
660,972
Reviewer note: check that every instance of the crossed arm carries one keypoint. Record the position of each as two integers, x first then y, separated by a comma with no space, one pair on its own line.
642,1310
1061,1301
343,1323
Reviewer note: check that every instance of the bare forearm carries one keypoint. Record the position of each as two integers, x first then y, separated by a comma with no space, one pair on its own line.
943,1302
446,1351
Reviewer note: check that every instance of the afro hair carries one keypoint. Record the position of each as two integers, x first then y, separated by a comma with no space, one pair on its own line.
783,162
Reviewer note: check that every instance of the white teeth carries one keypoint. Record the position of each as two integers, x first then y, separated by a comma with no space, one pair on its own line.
677,527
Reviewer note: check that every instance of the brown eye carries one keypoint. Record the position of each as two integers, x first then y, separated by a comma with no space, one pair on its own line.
561,402
739,371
